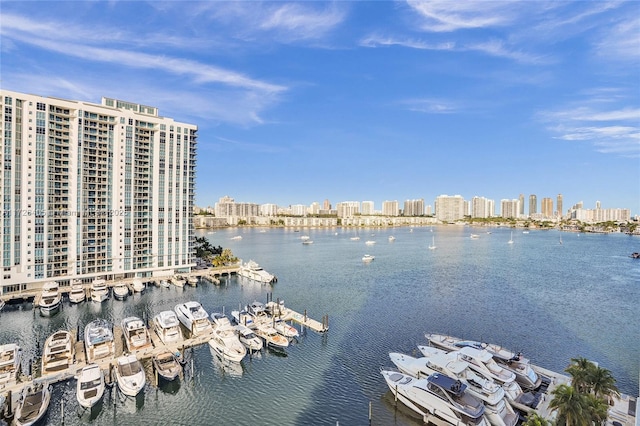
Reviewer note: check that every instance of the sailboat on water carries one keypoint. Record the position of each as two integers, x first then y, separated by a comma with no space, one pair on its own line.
433,243
510,239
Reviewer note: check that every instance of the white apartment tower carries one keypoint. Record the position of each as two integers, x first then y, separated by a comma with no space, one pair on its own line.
93,191
390,208
449,208
367,207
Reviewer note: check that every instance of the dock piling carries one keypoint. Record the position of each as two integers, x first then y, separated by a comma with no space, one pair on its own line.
62,409
369,412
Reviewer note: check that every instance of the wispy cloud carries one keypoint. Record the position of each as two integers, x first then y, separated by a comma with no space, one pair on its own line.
299,21
447,16
431,106
614,131
621,41
376,41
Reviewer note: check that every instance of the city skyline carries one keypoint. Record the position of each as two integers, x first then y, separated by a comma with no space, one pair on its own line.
361,100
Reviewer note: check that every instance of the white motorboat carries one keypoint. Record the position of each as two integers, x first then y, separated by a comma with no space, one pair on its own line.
271,337
474,236
120,291
77,294
392,238
98,340
130,375
243,317
99,290
437,398
355,238
33,404
136,335
225,341
166,365
526,376
285,329
248,338
50,299
10,362
237,237
163,284
253,271
433,243
90,386
192,281
498,411
194,318
138,286
370,242
304,237
57,353
368,258
307,242
258,310
178,281
167,327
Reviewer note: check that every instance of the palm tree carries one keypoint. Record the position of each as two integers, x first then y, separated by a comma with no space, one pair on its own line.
535,419
602,384
572,406
580,370
598,409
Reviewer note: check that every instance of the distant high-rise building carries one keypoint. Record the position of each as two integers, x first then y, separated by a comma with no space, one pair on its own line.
449,208
547,208
521,199
428,210
533,205
597,205
104,190
326,205
348,208
559,205
509,208
314,208
481,207
268,210
390,208
414,207
367,207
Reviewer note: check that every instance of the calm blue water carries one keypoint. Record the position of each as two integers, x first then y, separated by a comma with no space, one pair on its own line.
551,301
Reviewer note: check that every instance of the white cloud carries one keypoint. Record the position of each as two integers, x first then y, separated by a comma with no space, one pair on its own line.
431,106
447,16
375,41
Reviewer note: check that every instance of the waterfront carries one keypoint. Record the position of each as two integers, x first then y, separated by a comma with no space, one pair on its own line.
552,301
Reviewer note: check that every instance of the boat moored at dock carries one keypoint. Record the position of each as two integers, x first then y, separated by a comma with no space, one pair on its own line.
130,375
167,327
248,338
166,365
10,362
98,340
194,318
225,341
77,294
120,291
50,299
255,272
58,352
33,403
136,334
90,386
437,398
99,290
138,286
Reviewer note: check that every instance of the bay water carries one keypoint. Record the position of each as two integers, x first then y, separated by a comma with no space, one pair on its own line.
552,295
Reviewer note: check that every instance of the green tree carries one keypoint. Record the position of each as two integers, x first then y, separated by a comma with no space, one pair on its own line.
580,371
571,405
535,419
225,258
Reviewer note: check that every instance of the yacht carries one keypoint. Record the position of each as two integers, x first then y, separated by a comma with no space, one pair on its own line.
237,237
163,284
437,398
167,327
192,281
285,329
33,404
391,238
99,290
225,341
90,386
57,352
248,338
194,318
307,242
271,337
10,362
243,317
120,291
304,237
50,299
77,294
166,365
98,340
526,377
370,242
178,281
474,236
255,272
368,258
355,238
138,286
136,335
130,375
497,409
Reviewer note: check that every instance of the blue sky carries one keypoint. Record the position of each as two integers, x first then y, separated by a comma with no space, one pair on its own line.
352,101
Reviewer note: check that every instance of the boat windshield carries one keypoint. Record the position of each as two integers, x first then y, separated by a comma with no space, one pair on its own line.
91,384
130,368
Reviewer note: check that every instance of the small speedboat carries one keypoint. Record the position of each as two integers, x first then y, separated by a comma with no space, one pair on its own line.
368,258
10,362
33,404
130,375
90,386
192,281
166,365
138,286
243,318
285,329
271,337
167,327
58,352
50,299
248,338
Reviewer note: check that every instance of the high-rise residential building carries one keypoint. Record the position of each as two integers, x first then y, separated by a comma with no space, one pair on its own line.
268,209
390,208
449,208
509,208
314,208
481,207
228,207
93,191
533,205
521,211
367,207
326,205
559,211
547,208
414,207
348,208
